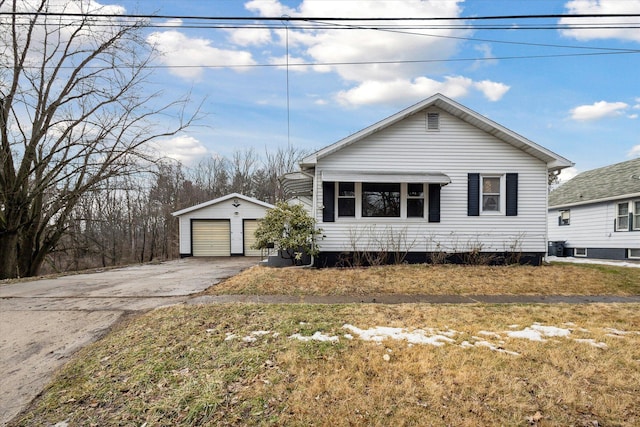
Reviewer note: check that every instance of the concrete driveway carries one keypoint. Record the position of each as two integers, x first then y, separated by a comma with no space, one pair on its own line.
43,322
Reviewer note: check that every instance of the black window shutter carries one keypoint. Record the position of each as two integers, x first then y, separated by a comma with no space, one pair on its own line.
630,221
328,201
512,194
434,202
473,194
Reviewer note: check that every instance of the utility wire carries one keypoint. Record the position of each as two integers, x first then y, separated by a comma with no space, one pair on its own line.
305,18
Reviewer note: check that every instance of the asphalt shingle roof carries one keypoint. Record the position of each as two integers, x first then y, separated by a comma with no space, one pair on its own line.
607,182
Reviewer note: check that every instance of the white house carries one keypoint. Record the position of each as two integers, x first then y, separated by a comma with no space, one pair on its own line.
221,227
434,178
597,213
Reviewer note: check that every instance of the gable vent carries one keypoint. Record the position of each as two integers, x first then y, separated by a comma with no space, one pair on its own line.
433,121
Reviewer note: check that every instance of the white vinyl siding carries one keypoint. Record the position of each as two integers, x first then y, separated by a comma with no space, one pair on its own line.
211,238
250,227
456,150
592,226
224,210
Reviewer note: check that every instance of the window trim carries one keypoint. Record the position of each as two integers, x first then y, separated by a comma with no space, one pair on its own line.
577,255
635,215
404,197
339,196
408,197
633,256
400,198
618,216
501,195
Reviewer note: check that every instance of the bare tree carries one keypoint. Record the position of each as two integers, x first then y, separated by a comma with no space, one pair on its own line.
75,111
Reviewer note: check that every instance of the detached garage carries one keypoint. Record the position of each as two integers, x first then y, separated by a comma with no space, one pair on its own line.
221,227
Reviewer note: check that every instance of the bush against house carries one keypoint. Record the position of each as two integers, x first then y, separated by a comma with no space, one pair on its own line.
290,229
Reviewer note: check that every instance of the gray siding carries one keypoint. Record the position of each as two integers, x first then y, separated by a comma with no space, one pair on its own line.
456,150
592,226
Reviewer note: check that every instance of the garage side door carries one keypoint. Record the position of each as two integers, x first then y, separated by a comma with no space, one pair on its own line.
210,238
250,226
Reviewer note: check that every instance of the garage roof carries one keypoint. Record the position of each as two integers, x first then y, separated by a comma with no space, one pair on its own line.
222,199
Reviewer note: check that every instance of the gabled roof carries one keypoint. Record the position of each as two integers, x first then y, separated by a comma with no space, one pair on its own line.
617,181
553,160
222,199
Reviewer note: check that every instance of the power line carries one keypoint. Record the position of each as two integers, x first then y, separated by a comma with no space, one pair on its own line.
306,18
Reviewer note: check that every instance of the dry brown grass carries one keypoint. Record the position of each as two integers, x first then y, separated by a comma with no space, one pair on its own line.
556,279
175,366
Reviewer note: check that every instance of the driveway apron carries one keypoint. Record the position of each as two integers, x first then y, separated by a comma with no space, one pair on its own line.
43,322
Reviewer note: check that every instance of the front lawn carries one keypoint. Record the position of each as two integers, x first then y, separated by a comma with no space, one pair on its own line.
356,365
555,279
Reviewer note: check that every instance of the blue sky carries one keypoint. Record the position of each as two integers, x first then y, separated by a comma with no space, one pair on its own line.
585,108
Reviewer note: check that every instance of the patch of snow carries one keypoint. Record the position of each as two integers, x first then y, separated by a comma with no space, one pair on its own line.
513,326
492,347
249,339
64,423
386,357
592,342
466,344
551,331
614,331
348,336
381,333
260,333
527,334
536,331
230,336
593,261
318,336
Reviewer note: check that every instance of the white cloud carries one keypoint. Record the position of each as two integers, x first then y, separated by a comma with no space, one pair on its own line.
250,36
282,60
603,7
634,152
375,92
567,174
494,91
190,55
598,110
371,61
183,148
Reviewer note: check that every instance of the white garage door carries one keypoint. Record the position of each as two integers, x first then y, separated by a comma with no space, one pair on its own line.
250,226
210,238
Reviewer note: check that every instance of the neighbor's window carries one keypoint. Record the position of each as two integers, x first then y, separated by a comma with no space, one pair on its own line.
415,200
490,194
380,199
346,199
565,217
633,253
636,215
582,252
622,216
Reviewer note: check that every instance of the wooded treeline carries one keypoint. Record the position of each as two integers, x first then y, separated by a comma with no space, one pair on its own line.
128,219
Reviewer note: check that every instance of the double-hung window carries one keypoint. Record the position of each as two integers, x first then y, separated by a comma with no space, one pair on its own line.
415,200
346,199
490,194
636,215
565,217
622,216
380,199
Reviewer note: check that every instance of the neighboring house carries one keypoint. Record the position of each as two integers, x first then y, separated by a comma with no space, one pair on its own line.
436,178
597,213
221,227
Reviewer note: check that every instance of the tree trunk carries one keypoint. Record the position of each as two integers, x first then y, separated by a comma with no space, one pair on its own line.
9,255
